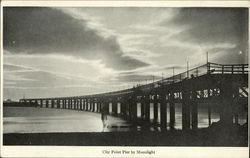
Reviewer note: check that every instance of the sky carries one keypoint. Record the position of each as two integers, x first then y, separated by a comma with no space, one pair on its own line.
56,52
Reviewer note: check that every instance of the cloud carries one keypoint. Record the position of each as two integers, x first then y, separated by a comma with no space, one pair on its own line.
14,68
211,28
176,67
48,30
136,78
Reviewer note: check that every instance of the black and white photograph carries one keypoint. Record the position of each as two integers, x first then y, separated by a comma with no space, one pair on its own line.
125,76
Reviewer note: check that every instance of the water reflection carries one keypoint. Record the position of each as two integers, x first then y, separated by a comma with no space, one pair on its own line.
36,120
41,120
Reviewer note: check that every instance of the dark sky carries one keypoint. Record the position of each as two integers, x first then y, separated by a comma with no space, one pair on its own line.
73,51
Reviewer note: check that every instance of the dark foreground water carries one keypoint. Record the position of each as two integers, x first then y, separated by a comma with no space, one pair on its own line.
46,120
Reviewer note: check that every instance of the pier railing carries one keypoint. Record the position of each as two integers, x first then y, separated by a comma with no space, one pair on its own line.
227,69
209,68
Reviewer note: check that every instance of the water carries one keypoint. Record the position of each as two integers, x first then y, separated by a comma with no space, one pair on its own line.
44,120
36,120
203,121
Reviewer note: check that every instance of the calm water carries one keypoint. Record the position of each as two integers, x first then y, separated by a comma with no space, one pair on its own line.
36,120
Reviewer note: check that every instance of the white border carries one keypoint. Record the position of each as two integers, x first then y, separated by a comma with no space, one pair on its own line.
113,3
84,151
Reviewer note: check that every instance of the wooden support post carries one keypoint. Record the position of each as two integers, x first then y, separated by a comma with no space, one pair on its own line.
194,110
172,110
133,108
87,105
130,103
155,108
147,108
36,103
185,110
114,107
143,108
124,106
84,105
80,104
127,107
236,105
226,95
47,104
55,103
98,106
70,103
41,103
76,104
52,104
58,103
94,106
64,103
163,112
209,114
123,110
106,105
91,105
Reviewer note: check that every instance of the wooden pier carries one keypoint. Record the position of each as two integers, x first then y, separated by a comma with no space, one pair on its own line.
223,86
